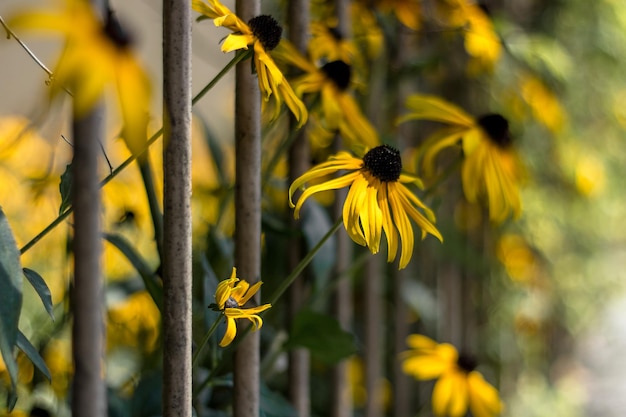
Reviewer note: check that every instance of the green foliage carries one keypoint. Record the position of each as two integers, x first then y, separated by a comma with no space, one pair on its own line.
322,336
41,288
10,296
65,188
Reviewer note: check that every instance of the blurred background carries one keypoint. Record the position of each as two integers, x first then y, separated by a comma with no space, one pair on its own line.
540,301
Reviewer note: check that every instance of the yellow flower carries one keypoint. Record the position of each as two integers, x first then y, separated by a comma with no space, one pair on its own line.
377,200
482,43
230,295
337,110
96,55
408,12
263,34
491,169
458,385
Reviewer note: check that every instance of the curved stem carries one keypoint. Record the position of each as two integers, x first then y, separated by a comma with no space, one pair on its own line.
303,263
207,336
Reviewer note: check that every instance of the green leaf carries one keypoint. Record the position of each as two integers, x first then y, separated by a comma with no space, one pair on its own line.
322,336
215,150
273,404
41,288
147,274
25,346
65,187
10,295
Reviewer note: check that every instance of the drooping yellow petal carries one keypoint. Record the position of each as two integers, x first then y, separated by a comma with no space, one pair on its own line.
133,88
333,184
234,42
405,229
450,395
388,225
484,400
441,139
230,333
425,107
353,207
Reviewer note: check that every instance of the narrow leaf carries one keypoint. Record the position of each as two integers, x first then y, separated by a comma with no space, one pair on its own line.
41,288
10,295
147,274
25,346
322,335
65,188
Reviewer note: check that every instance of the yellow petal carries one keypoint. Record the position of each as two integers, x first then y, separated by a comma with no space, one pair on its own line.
424,107
133,87
403,224
388,226
450,395
333,184
230,333
250,293
235,42
484,399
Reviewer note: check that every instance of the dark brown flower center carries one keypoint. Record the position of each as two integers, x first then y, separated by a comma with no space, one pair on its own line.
115,32
384,163
339,72
497,128
466,362
231,303
267,30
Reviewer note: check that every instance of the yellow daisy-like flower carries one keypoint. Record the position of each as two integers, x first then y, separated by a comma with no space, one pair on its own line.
337,110
262,33
377,200
458,385
96,55
491,168
230,296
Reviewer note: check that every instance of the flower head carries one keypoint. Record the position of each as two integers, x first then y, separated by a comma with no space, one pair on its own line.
459,386
262,33
491,169
231,295
337,110
377,200
96,55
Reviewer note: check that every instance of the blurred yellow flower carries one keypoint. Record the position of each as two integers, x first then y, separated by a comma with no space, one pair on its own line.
543,103
590,175
337,110
408,12
230,296
517,257
491,169
458,385
135,322
262,33
377,200
482,43
96,55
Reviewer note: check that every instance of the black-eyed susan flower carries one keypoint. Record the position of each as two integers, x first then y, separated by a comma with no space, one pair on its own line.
377,200
95,55
459,386
491,169
230,297
263,33
337,110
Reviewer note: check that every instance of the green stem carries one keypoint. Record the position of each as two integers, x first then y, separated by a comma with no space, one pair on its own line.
238,57
207,336
303,263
